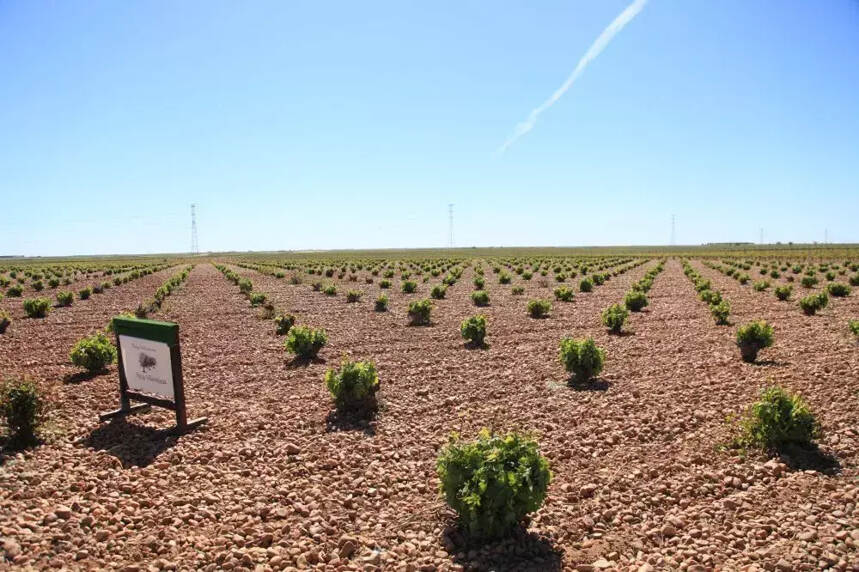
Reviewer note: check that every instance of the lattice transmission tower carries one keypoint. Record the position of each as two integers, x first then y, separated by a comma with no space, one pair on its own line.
195,246
673,235
450,224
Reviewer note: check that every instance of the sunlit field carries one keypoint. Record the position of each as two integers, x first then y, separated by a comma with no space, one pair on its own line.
349,394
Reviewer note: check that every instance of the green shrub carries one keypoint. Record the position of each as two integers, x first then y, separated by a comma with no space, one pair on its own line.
38,286
720,312
353,296
808,281
614,317
635,300
53,283
642,285
419,312
783,292
37,307
585,285
479,283
353,386
384,284
564,294
582,358
710,296
409,287
854,280
761,286
493,482
93,353
161,293
23,409
830,276
85,293
474,329
852,324
777,419
330,290
753,337
65,298
283,323
245,286
305,342
480,298
381,304
438,291
743,278
517,290
15,291
814,302
504,278
5,320
256,298
539,308
838,289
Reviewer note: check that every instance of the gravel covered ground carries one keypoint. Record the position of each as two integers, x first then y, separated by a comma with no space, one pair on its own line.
276,481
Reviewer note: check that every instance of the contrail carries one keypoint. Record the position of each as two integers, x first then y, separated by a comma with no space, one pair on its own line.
596,48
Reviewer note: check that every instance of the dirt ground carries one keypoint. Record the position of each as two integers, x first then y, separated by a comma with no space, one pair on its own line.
273,481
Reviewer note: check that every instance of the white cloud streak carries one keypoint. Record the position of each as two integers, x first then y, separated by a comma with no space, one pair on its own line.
596,48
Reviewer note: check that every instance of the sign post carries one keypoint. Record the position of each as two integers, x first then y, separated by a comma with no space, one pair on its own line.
150,369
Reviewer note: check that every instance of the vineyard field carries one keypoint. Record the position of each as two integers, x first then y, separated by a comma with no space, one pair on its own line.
646,470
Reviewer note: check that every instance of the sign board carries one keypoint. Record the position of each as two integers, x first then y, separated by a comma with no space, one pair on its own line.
147,366
150,369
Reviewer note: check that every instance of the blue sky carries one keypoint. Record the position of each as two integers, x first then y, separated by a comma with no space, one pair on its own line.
298,125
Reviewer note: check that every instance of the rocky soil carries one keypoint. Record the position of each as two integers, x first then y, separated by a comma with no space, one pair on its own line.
274,481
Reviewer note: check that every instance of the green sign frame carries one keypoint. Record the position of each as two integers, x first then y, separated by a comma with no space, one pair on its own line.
159,334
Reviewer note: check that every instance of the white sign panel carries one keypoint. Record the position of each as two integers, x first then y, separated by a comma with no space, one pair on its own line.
147,366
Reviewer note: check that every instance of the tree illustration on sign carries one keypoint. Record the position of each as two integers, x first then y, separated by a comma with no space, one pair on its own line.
147,362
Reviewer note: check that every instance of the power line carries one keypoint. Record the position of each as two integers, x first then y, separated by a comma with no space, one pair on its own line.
195,247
